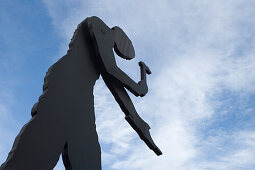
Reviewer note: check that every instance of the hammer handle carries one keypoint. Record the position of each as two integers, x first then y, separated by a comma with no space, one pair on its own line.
144,69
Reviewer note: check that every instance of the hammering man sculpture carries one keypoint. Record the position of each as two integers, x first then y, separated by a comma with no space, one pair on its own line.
63,120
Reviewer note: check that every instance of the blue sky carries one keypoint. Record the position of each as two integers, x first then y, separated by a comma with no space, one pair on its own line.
200,103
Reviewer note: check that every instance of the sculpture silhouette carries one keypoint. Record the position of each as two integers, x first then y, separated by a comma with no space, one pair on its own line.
63,120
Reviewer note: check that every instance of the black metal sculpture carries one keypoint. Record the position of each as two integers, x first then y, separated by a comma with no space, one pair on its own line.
63,119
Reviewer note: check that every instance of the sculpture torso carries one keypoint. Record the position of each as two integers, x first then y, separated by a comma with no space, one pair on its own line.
69,82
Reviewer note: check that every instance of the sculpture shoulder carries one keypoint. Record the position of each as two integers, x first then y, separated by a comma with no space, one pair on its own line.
98,29
80,28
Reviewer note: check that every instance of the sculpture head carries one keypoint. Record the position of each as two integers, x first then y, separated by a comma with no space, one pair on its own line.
122,44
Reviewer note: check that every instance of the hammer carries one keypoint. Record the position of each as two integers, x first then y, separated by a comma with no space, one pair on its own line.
144,69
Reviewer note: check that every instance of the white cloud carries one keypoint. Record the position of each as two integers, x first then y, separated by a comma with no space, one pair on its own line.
240,155
196,49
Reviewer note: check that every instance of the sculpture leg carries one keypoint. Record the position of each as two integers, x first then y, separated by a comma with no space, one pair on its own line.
66,159
83,149
37,146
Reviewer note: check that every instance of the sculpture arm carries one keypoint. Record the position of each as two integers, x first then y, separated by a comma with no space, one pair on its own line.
132,117
103,41
112,71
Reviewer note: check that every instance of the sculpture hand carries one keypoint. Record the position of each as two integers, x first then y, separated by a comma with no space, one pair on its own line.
143,87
